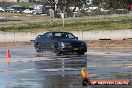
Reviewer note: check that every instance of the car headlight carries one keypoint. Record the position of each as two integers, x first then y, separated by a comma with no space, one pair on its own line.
65,44
83,43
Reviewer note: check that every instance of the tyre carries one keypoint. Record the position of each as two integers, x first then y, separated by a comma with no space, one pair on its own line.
38,50
56,49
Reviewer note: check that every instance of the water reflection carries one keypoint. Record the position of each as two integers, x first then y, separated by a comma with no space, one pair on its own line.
62,71
62,65
51,71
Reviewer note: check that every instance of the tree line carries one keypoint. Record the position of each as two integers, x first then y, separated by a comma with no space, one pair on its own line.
62,6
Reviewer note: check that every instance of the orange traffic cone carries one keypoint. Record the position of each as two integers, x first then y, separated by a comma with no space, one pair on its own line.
8,56
84,74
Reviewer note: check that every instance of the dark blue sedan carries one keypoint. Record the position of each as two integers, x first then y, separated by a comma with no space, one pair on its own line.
60,43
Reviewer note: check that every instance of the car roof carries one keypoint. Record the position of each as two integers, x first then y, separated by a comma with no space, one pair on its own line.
57,32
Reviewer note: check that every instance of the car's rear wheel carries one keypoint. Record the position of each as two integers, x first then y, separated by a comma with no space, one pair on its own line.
56,49
38,50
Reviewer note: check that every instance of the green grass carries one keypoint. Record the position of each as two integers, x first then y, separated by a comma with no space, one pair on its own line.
71,25
26,4
10,15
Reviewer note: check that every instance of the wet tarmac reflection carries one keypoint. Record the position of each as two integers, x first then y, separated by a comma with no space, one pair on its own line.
32,70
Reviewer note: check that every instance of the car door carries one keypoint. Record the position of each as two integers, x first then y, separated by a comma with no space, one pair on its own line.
48,41
44,41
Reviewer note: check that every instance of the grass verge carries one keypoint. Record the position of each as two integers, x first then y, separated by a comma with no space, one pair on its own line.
72,24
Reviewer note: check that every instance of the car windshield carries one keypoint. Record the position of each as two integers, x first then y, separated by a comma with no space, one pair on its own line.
64,35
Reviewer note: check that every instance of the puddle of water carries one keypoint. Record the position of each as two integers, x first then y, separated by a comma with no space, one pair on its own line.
31,70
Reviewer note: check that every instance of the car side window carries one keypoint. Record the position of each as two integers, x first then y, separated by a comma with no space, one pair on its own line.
63,35
57,35
48,35
44,35
71,36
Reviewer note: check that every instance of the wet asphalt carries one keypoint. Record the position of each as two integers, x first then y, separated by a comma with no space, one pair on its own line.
28,69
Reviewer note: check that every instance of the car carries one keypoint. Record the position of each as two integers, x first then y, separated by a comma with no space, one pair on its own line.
10,9
121,11
27,11
38,11
1,9
60,43
130,7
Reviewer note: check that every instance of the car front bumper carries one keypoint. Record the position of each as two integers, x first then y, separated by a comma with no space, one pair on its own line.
73,48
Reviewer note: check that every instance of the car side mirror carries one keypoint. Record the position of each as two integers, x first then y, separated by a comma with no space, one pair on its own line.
39,35
76,38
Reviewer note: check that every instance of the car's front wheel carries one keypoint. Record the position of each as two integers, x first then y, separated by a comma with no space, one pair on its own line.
38,50
55,49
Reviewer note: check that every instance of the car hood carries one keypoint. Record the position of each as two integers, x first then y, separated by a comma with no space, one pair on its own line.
70,41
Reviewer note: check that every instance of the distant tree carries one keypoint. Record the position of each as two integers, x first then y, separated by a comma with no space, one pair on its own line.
63,5
2,4
114,4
